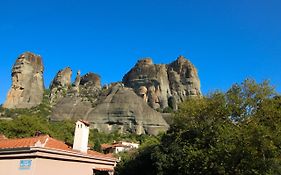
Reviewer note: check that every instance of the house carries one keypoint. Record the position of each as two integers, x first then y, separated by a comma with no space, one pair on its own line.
44,155
118,147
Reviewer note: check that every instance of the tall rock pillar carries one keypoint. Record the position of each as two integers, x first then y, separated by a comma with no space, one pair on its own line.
27,82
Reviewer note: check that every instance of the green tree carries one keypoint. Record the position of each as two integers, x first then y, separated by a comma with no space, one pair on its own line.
139,161
233,133
63,130
24,126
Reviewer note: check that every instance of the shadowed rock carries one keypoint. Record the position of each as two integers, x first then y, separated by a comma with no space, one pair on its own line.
60,85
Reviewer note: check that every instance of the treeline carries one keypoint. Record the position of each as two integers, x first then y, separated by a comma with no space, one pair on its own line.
233,133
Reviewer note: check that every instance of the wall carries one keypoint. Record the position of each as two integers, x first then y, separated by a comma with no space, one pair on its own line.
57,167
41,166
12,167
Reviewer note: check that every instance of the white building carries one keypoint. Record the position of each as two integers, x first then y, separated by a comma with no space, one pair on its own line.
118,147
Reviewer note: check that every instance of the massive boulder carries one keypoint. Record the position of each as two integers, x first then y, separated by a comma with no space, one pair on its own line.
27,82
60,85
164,85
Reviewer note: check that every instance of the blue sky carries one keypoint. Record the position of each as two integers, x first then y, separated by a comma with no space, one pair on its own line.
227,40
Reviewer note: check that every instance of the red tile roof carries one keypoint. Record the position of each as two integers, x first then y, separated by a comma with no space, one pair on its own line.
57,144
97,154
22,142
46,142
105,146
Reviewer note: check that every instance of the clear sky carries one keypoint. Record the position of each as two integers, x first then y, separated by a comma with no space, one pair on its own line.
227,40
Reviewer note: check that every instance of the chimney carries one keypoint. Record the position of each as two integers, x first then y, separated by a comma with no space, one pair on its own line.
81,136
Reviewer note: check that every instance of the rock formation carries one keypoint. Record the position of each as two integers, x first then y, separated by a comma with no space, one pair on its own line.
152,77
78,99
132,105
184,80
129,107
163,85
76,83
120,109
27,82
114,109
60,85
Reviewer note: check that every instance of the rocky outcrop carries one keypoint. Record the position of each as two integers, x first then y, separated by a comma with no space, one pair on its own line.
76,83
120,109
128,106
27,82
91,79
79,99
184,80
153,79
114,109
133,105
60,85
162,85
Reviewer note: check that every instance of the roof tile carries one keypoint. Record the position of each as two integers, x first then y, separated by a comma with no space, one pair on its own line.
47,142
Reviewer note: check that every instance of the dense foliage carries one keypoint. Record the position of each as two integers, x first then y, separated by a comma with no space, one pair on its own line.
237,132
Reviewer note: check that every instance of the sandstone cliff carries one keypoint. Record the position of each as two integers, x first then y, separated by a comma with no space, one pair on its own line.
27,82
133,105
114,108
60,85
164,85
120,109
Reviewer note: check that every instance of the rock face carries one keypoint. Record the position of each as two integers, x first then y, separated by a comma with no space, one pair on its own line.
114,109
132,105
60,85
162,85
27,82
120,109
153,79
184,80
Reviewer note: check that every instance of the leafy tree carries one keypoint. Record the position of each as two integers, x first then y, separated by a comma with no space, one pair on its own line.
139,161
235,133
24,126
232,133
63,130
243,100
